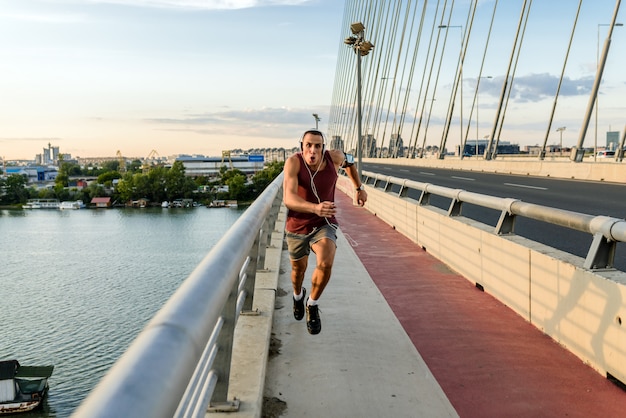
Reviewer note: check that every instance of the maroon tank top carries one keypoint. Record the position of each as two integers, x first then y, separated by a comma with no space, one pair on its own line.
324,181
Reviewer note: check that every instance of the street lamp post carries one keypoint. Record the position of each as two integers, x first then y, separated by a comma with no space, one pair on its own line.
595,141
361,48
317,119
560,130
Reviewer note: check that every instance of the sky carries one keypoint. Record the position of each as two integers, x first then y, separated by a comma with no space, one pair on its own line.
201,76
175,76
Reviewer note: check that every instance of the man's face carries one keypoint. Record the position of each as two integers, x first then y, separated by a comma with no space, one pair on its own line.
312,148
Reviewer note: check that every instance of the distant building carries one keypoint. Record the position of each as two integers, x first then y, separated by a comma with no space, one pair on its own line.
504,147
101,202
396,146
50,156
196,166
612,140
337,143
34,174
369,146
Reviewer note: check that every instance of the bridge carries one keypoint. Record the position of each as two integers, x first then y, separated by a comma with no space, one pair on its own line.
428,313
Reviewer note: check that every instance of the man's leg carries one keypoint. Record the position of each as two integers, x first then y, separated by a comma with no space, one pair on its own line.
298,268
325,253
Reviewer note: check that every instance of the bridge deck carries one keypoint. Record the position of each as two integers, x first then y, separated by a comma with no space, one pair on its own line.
404,336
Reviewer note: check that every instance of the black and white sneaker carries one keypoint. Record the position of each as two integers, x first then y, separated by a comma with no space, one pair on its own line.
313,322
298,306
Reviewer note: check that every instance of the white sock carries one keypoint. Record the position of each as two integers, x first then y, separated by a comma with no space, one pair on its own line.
298,297
311,302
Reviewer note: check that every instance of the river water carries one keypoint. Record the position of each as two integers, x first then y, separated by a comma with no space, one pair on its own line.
77,286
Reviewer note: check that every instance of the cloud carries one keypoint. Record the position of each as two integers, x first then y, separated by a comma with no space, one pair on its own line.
281,115
204,4
536,87
47,139
281,122
54,18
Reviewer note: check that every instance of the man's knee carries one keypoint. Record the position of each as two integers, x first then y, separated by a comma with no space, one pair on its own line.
298,267
324,267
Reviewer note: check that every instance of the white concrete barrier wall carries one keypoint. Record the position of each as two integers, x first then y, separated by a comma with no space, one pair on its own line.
585,311
603,169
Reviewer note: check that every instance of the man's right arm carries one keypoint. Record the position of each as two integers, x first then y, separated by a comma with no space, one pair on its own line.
290,188
290,193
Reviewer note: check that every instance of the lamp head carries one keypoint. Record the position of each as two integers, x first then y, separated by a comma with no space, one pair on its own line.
357,27
365,47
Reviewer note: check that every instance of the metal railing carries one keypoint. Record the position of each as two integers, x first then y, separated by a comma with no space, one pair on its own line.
180,362
606,231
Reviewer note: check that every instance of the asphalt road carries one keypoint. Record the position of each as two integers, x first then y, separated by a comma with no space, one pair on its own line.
592,198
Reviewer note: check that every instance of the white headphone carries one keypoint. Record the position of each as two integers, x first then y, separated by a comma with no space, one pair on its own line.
314,132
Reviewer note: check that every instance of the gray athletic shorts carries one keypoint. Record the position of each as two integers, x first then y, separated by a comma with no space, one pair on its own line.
299,245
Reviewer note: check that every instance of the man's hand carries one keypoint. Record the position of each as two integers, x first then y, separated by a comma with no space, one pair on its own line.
325,209
361,197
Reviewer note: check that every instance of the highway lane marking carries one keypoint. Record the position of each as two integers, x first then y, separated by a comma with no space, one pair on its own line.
427,174
463,178
525,186
404,170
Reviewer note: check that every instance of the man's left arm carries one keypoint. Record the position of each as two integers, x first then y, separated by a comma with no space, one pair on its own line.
339,159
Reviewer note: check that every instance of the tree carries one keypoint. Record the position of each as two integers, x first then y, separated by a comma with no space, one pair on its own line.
263,178
14,188
112,165
176,181
63,176
236,186
108,177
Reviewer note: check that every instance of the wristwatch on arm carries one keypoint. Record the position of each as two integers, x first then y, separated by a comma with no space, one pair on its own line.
358,189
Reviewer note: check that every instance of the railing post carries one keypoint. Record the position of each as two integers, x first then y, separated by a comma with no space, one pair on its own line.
250,274
225,349
268,228
257,253
601,253
264,234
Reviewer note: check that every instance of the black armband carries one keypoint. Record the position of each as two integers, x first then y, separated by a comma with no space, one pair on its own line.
348,160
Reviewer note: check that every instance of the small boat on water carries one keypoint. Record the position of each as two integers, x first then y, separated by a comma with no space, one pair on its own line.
41,204
223,204
22,388
71,205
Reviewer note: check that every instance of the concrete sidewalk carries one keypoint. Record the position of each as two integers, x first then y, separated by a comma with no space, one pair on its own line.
362,364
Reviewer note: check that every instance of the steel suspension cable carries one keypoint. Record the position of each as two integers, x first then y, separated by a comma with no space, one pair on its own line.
396,127
425,95
398,46
409,83
558,89
505,86
506,103
432,104
413,143
480,74
458,80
